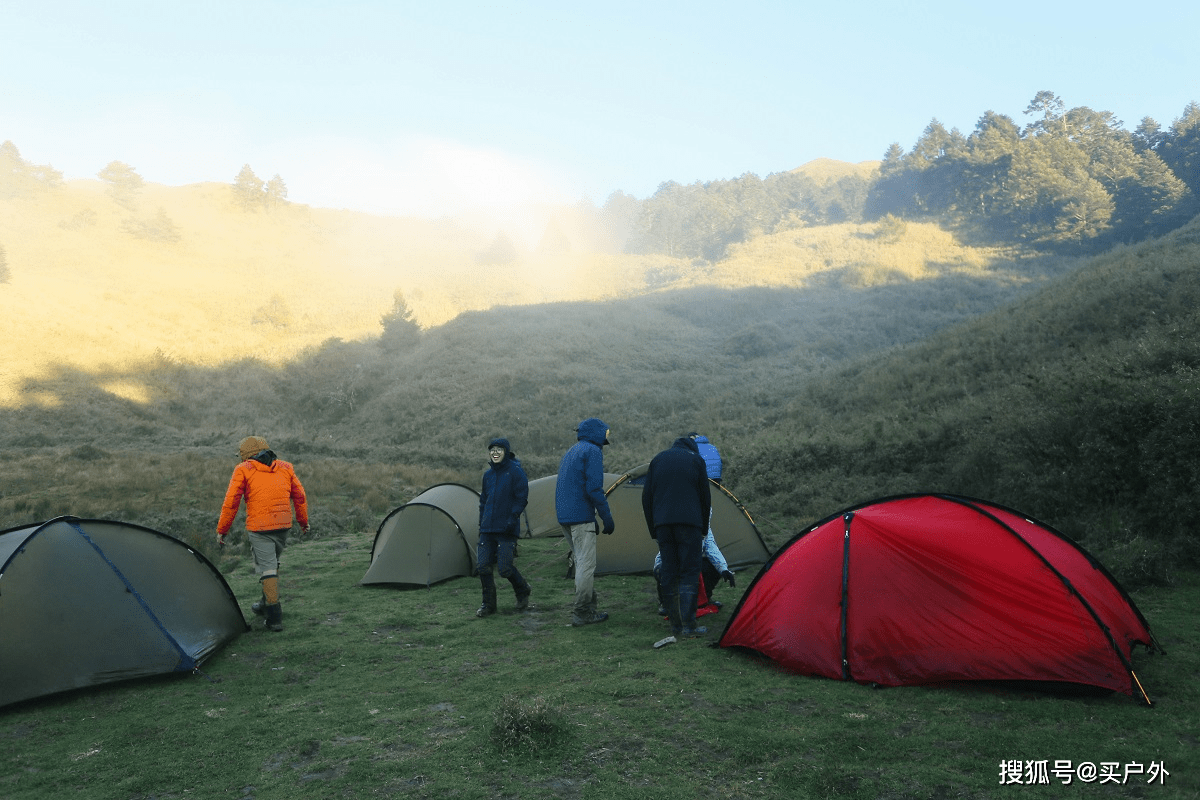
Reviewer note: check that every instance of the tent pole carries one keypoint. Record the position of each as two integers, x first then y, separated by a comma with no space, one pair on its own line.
1149,702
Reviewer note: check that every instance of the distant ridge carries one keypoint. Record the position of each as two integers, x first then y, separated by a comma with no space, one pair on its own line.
828,170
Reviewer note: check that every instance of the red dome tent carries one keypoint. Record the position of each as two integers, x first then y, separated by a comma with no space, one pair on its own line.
930,588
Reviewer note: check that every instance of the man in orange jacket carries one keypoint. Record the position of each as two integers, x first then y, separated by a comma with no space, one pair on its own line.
271,489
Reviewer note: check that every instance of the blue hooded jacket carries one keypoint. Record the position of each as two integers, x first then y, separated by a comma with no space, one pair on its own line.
579,491
505,494
710,454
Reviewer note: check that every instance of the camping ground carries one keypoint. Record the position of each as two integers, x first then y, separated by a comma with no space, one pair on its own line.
380,691
1075,403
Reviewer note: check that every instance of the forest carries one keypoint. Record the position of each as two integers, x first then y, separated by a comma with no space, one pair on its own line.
1070,179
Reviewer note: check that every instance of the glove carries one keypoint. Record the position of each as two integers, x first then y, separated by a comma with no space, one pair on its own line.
727,575
609,526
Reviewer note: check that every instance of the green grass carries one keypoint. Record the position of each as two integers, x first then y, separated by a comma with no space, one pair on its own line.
381,691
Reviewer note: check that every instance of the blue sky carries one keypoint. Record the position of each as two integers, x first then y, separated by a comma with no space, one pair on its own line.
428,108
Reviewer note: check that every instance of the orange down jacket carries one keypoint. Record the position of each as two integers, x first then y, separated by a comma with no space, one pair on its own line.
270,493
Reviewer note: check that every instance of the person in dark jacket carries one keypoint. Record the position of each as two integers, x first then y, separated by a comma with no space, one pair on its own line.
578,499
504,496
676,502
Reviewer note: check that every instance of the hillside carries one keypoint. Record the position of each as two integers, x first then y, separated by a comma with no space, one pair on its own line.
183,273
832,364
1077,404
188,274
828,170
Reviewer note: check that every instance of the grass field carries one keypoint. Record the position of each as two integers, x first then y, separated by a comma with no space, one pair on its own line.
382,691
832,364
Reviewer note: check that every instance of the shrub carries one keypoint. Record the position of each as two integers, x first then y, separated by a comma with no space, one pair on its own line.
527,726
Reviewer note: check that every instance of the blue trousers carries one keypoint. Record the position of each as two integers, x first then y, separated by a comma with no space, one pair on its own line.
497,551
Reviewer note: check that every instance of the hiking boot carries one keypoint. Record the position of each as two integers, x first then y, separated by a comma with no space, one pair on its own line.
589,618
523,600
662,611
485,611
260,607
692,633
274,614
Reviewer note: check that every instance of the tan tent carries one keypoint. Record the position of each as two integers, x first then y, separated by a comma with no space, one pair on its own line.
428,539
630,549
540,518
86,602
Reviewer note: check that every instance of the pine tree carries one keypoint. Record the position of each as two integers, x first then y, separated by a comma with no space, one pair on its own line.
276,193
248,190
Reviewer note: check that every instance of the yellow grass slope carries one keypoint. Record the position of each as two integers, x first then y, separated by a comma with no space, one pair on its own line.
185,273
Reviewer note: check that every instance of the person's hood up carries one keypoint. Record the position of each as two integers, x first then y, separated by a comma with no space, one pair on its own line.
509,455
594,431
688,443
699,437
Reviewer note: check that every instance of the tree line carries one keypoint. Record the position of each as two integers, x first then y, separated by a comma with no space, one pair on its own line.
1068,178
701,220
20,178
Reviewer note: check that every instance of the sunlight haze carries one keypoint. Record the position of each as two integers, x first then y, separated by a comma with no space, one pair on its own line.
429,109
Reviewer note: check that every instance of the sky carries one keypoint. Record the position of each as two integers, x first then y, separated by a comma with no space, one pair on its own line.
430,109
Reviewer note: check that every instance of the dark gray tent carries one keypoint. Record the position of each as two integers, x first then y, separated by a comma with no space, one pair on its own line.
630,549
85,602
428,539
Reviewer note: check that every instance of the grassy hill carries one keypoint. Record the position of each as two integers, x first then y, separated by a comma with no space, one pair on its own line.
184,272
831,364
1077,404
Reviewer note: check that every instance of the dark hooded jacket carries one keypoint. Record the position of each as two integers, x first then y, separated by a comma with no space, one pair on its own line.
579,490
676,490
505,494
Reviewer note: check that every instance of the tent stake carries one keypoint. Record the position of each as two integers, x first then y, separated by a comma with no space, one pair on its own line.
1140,689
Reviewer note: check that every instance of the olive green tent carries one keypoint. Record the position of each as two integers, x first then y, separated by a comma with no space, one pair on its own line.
427,540
630,549
85,602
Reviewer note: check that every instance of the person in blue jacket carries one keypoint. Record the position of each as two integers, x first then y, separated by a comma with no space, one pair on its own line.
504,496
711,455
677,503
578,500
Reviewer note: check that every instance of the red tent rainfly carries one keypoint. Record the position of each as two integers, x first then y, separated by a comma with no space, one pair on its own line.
930,588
